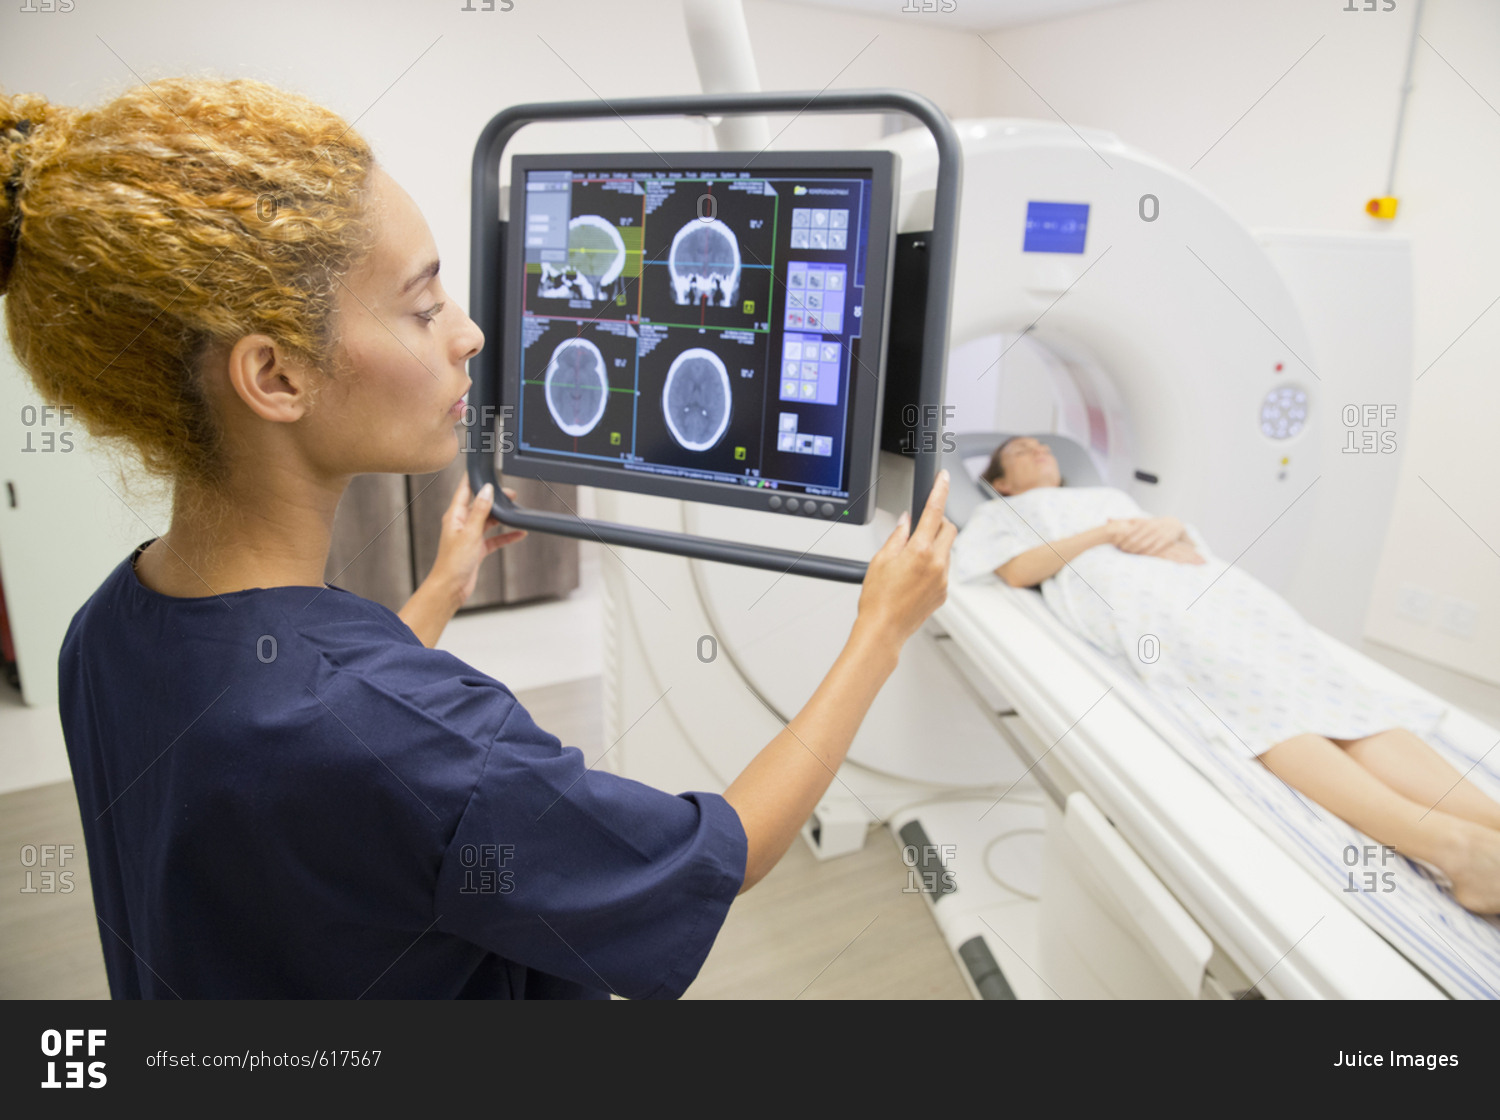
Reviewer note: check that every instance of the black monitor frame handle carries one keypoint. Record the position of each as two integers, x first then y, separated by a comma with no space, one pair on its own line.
486,267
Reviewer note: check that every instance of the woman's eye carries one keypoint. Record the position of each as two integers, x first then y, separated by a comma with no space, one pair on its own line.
431,313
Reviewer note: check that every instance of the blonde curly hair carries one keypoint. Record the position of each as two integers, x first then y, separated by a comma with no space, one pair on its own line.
183,214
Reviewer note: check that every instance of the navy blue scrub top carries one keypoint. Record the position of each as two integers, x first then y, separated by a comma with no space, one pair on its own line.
285,794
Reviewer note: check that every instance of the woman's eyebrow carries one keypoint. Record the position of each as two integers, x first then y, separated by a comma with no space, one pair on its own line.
426,274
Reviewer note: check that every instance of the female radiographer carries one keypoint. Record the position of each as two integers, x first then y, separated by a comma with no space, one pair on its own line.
286,790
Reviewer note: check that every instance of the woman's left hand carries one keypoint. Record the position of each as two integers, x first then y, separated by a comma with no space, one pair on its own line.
455,572
463,544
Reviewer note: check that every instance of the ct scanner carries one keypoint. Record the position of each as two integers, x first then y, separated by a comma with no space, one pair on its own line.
1072,838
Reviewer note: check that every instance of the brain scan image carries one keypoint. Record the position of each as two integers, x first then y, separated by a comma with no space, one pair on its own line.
695,399
576,386
705,264
596,257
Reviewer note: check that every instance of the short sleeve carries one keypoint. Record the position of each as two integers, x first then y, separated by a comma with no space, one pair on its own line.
587,875
994,535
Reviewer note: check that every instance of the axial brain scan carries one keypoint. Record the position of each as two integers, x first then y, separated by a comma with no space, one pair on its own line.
576,386
696,399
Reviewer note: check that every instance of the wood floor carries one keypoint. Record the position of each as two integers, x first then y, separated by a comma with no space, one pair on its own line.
836,929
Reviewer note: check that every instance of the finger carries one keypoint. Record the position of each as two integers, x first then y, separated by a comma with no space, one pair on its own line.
932,515
460,499
478,513
500,540
508,492
898,537
946,535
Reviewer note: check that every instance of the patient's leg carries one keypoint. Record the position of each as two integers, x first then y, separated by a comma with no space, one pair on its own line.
1467,853
1409,766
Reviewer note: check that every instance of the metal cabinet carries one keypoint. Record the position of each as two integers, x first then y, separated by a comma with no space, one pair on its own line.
386,533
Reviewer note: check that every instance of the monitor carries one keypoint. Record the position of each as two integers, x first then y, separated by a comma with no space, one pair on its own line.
1055,227
708,326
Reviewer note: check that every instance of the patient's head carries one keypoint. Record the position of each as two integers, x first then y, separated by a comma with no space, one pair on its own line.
1022,463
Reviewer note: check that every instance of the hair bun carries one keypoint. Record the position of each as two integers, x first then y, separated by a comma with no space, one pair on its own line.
20,118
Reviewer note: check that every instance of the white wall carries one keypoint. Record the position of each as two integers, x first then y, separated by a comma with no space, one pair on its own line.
1171,76
419,79
347,54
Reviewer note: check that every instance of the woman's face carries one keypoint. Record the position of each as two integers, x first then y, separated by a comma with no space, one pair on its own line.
395,404
1028,463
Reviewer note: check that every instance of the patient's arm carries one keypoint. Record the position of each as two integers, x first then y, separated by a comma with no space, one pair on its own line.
1046,560
1036,564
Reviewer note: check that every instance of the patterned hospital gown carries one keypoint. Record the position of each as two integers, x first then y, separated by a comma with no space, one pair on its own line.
1231,655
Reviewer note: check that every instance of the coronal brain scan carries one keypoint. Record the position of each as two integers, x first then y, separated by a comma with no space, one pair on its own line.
577,386
705,264
595,258
695,399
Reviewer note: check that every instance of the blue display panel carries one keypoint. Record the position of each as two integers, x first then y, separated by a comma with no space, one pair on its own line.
1056,227
696,326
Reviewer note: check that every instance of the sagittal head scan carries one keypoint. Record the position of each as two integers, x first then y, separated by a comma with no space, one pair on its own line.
595,257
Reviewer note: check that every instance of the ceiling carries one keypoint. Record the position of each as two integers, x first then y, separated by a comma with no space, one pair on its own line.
974,15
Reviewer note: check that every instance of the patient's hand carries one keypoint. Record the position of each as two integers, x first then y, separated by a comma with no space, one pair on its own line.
1153,536
1180,552
1118,528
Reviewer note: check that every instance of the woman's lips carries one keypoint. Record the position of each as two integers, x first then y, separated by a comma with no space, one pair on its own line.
457,411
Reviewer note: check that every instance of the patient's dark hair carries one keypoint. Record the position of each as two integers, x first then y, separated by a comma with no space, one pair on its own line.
996,470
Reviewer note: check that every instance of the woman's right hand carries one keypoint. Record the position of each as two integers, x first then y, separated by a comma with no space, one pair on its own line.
908,578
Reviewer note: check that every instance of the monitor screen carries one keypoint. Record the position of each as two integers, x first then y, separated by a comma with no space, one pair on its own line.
1056,227
706,326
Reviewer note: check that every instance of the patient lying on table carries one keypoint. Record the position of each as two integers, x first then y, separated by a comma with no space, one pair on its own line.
1230,654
